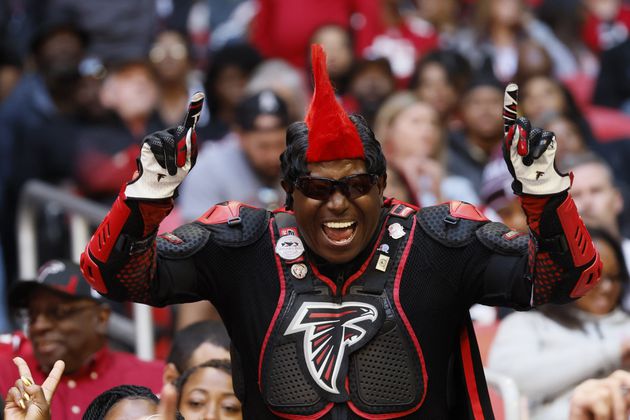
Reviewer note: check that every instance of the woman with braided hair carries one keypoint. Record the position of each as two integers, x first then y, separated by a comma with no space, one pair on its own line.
134,401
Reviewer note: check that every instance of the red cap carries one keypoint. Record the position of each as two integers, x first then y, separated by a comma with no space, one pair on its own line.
331,134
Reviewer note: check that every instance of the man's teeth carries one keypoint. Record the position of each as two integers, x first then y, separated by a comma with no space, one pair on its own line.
338,225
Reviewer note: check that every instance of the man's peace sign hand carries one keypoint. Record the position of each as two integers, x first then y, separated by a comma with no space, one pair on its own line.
529,152
28,401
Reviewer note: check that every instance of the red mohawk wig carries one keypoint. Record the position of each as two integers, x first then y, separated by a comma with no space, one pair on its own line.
331,134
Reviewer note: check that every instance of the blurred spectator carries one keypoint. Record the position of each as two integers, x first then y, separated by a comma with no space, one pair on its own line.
230,69
541,96
613,83
49,149
403,39
413,140
245,166
567,344
470,149
497,196
533,60
206,391
439,79
107,151
10,70
443,16
607,24
195,344
285,81
371,82
67,320
171,58
500,27
337,44
597,198
42,95
283,28
119,30
569,139
566,18
123,402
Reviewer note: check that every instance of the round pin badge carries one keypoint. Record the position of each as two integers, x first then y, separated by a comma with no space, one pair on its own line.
299,270
396,231
289,247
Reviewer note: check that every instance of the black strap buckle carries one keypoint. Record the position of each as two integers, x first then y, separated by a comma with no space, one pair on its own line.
234,221
451,220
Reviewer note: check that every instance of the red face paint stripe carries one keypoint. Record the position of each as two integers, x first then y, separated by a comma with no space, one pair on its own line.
469,374
365,265
278,307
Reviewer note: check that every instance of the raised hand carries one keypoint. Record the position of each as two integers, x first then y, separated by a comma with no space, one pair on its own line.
28,401
529,152
166,157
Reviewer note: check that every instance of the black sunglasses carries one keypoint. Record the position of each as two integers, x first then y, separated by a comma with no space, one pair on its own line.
352,186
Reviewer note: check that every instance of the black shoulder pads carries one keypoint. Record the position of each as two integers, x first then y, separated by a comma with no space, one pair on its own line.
235,224
250,225
183,242
502,239
445,228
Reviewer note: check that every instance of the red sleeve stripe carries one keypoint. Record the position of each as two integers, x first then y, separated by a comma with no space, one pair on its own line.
470,376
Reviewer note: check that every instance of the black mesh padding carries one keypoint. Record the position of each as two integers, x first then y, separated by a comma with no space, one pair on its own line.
493,236
287,387
254,222
183,242
437,222
382,375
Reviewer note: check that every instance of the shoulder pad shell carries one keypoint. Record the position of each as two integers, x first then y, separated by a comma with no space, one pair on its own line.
502,239
451,228
235,224
183,242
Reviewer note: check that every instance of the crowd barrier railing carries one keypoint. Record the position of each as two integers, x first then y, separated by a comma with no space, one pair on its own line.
507,391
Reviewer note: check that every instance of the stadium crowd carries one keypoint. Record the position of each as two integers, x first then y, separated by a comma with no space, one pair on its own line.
82,83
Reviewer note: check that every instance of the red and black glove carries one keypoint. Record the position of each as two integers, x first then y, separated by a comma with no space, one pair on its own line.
530,153
166,158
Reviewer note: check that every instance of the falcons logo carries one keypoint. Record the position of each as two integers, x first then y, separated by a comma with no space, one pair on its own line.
329,329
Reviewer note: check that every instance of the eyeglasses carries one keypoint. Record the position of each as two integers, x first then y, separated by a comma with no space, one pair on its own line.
56,313
352,186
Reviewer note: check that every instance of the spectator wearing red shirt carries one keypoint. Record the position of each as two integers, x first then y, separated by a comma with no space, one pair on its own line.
607,24
283,28
67,320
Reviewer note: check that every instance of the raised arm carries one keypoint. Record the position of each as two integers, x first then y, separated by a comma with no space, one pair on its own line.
563,263
120,259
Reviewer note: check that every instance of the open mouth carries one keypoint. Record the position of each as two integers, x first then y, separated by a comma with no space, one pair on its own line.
340,233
